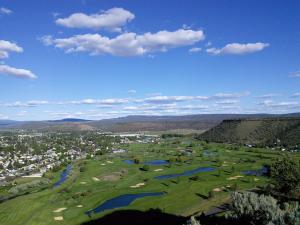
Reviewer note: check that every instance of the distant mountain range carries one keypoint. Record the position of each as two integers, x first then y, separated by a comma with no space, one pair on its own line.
201,122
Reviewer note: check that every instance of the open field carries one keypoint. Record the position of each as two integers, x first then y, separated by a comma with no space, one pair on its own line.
94,181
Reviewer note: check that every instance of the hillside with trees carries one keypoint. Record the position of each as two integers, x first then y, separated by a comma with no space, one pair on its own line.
259,132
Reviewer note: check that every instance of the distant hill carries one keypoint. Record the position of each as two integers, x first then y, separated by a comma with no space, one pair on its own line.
70,120
265,131
200,122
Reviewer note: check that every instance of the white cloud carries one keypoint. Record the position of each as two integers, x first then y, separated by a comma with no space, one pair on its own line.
209,43
238,49
113,19
20,73
126,44
132,91
230,95
296,94
33,103
295,74
5,11
3,117
112,101
6,47
195,50
284,105
271,95
227,102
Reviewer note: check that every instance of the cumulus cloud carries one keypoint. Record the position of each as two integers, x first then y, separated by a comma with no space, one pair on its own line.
126,44
20,73
195,50
6,47
238,48
5,11
113,19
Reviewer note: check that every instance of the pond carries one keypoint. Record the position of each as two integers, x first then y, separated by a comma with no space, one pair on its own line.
186,173
63,176
150,163
209,153
260,172
121,201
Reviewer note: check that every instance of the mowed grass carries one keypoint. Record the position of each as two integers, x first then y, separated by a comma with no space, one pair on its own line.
183,195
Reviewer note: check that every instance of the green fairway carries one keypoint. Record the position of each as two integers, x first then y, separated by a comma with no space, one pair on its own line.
94,181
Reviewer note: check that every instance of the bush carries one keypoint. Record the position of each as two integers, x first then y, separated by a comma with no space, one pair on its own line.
252,208
193,221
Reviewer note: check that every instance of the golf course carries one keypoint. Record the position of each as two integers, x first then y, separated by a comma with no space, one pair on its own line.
179,176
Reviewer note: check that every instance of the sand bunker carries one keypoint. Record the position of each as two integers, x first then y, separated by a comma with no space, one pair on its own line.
103,164
111,177
138,185
157,170
217,189
79,206
59,210
114,176
256,179
58,218
109,162
235,177
95,179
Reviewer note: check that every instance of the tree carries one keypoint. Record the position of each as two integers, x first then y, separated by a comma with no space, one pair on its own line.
286,175
145,168
211,194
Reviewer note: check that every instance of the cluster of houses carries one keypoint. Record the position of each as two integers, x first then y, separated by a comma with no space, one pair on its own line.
32,165
18,161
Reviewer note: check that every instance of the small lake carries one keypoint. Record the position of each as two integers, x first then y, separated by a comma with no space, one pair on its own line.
186,173
150,163
121,201
209,153
260,172
63,176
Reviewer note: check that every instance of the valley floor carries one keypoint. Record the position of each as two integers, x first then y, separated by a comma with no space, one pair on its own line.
94,181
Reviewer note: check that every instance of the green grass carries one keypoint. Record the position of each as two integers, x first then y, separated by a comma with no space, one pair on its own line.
184,196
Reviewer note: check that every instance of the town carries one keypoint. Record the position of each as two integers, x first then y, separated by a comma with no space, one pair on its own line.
33,154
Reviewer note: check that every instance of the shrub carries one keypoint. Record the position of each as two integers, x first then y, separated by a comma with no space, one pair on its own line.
257,209
193,221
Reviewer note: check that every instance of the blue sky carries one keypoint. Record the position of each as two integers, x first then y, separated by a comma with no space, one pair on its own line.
101,59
